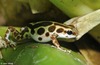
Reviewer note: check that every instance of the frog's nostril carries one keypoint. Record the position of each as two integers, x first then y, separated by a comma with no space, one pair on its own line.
74,33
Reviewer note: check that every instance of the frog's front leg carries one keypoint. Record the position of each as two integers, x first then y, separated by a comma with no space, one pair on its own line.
55,41
16,34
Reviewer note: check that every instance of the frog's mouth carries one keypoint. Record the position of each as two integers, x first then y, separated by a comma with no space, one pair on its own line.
71,36
68,39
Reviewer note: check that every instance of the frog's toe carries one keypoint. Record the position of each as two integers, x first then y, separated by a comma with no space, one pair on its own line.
12,44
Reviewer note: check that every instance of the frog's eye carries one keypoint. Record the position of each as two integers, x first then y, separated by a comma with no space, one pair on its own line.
69,32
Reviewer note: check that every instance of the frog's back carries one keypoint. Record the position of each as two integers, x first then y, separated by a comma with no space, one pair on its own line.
42,31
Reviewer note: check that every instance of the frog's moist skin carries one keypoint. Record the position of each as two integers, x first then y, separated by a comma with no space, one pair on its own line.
42,31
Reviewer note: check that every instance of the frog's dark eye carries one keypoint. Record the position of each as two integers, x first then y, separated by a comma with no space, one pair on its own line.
69,32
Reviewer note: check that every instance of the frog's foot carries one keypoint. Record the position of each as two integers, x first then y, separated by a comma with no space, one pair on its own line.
12,44
2,43
62,49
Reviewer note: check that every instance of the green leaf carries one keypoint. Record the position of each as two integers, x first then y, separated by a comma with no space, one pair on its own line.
39,6
1,62
41,54
72,8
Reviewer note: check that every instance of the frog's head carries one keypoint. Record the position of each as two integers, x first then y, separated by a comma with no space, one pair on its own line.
67,33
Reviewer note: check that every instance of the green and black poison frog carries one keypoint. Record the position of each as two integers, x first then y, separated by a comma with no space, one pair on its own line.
42,31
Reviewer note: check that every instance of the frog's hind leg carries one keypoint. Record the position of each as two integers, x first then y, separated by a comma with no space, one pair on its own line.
16,34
